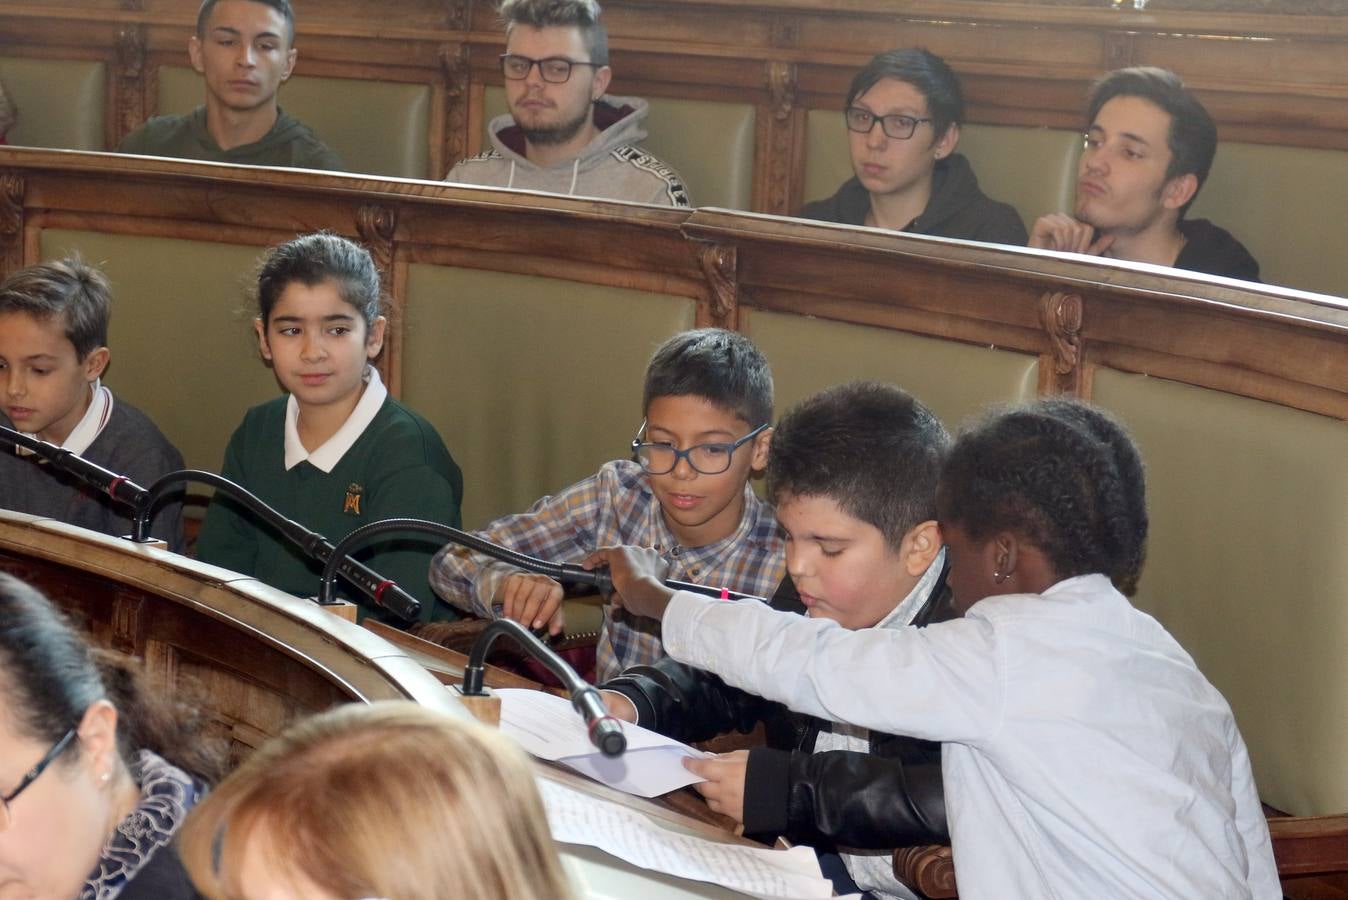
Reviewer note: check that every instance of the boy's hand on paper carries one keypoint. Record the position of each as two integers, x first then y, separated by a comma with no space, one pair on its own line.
638,578
533,601
724,788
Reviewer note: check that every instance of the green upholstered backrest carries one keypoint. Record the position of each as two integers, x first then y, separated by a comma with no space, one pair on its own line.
954,380
61,102
376,127
1286,205
1033,169
182,342
710,145
1246,567
533,382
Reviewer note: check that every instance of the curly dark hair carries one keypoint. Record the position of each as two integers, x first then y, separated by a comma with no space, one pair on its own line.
1060,473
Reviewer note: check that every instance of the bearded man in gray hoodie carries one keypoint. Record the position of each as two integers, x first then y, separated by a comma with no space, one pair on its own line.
563,134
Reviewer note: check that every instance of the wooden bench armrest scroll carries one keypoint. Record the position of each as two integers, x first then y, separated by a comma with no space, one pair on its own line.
929,870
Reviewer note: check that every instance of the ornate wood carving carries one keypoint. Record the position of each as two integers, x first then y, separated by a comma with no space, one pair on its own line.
12,188
1061,371
719,265
129,88
1118,49
456,76
780,136
458,14
376,225
929,870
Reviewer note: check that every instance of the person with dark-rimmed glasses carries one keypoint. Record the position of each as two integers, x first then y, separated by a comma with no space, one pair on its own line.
903,115
564,134
96,773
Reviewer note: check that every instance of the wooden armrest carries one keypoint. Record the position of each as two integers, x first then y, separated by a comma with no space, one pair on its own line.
1310,845
929,870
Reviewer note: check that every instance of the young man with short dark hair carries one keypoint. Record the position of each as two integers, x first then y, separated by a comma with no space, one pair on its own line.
244,49
1149,146
563,134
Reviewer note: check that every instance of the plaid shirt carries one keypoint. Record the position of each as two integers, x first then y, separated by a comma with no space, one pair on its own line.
615,506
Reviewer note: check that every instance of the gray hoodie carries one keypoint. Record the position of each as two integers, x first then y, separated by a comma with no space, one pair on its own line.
610,167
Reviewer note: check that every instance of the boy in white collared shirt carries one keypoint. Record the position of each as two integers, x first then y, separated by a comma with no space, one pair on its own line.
53,351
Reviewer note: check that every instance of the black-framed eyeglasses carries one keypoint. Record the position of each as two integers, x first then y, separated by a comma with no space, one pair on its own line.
659,457
554,69
6,814
897,126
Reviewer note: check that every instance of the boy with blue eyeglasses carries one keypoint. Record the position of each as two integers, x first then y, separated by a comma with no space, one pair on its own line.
707,403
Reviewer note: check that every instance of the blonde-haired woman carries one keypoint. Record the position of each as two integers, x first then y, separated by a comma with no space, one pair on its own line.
388,800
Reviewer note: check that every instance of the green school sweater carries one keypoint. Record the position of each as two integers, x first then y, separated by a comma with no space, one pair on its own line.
398,467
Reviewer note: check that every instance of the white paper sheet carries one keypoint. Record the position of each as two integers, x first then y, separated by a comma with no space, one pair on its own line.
576,818
548,727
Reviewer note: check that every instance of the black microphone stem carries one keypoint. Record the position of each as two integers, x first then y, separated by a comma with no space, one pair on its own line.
380,590
118,487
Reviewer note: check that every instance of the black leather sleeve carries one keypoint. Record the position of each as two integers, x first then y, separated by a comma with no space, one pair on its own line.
848,799
689,704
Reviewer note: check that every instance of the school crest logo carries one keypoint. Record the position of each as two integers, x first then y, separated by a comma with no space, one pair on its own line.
351,506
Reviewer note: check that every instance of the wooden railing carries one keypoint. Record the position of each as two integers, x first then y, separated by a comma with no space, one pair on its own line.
1268,74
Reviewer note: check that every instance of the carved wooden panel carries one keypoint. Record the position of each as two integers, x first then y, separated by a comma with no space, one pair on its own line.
1061,371
376,225
11,222
722,309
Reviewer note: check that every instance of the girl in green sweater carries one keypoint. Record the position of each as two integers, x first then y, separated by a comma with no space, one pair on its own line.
336,451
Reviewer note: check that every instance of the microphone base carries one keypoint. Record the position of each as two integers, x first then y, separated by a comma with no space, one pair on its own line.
485,707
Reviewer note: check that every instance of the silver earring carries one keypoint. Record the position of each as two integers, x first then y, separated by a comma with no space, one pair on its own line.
998,577
105,777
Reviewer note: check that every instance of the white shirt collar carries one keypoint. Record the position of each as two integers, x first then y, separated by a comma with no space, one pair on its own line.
326,457
903,613
91,425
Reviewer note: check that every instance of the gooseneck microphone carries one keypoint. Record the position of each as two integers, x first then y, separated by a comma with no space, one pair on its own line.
118,487
380,590
604,730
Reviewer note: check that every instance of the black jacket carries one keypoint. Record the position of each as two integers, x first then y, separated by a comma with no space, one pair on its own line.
890,797
957,208
1213,251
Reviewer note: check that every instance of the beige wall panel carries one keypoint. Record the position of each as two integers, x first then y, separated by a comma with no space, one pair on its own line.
182,340
392,118
1259,494
533,382
710,145
954,380
60,102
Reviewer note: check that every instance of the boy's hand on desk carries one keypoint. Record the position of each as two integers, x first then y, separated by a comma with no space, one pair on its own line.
724,788
638,577
533,601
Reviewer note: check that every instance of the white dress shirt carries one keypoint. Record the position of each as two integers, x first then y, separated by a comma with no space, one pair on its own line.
1085,755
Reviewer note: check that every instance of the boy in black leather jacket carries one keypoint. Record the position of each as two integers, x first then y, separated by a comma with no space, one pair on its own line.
853,472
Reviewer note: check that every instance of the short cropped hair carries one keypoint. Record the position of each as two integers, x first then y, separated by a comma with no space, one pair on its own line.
76,293
1193,135
925,71
281,6
722,367
871,448
390,799
581,14
314,259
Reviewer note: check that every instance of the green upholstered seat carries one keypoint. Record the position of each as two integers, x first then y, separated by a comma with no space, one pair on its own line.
61,102
1229,478
710,145
376,127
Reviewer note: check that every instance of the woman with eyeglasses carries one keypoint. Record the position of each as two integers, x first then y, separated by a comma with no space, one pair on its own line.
96,775
903,116
386,800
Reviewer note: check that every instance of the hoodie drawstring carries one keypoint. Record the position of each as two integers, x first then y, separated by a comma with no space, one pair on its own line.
575,176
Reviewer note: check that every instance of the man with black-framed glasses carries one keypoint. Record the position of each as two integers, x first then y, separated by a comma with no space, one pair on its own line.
564,135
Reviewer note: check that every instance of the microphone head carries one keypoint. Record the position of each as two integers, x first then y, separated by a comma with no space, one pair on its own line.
607,734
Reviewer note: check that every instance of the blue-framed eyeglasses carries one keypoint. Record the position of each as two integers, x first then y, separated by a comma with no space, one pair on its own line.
660,457
6,814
